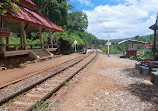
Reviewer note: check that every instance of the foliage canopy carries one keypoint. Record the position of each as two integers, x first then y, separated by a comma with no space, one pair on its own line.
6,6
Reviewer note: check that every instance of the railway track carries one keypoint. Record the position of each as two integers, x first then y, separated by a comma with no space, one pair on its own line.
66,62
29,97
33,79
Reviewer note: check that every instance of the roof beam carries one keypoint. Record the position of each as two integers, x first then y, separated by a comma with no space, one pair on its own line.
42,29
26,26
53,32
1,24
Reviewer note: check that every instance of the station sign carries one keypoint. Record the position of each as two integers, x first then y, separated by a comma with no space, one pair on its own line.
108,43
75,42
4,32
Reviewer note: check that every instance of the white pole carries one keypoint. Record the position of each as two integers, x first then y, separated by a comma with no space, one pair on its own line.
108,44
108,47
75,48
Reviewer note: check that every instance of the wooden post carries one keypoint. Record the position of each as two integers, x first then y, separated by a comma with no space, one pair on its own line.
1,22
154,43
41,37
3,48
16,48
21,41
50,38
23,35
7,42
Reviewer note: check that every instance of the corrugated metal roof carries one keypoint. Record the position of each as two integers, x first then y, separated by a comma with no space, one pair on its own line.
33,17
134,41
30,3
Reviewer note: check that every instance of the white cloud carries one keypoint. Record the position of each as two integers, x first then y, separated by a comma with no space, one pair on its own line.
123,20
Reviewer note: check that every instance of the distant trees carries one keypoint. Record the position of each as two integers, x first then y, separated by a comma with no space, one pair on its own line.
54,10
77,21
74,24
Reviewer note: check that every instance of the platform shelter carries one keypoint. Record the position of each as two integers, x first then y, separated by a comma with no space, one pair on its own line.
26,20
131,46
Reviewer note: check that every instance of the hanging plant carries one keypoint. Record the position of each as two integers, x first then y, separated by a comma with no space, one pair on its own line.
7,6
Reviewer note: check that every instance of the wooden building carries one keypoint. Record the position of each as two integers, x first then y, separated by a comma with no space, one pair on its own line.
28,19
131,46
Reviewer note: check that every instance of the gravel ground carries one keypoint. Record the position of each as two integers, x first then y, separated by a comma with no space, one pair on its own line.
108,84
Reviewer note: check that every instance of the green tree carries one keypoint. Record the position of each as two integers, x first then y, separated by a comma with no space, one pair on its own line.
77,21
54,10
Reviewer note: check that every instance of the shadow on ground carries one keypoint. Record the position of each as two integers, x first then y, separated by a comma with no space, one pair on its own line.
146,93
132,72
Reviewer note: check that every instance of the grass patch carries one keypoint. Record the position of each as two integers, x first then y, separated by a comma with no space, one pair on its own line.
41,106
66,83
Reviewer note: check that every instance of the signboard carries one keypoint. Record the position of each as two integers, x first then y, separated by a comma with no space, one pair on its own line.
108,43
75,42
4,32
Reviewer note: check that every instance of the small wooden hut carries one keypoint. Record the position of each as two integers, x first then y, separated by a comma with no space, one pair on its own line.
28,19
131,46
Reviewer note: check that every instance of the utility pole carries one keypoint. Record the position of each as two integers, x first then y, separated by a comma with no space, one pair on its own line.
108,44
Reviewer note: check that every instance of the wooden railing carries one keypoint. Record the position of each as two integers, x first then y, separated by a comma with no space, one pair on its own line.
43,45
14,44
48,45
17,46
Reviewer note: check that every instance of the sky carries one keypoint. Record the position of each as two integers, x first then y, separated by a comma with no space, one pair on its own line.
118,18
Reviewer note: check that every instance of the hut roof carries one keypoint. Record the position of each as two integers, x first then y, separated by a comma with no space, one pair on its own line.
133,41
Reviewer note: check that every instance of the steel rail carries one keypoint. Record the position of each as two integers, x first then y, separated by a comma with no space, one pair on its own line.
6,99
59,86
38,73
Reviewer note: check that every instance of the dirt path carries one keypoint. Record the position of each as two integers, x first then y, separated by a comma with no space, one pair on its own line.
8,76
106,85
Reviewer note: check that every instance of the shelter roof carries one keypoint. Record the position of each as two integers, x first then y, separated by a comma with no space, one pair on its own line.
154,26
33,17
133,41
30,3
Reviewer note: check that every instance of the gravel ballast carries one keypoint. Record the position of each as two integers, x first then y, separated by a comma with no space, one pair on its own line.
108,84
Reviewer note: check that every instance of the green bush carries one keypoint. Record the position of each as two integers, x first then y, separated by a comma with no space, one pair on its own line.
112,50
140,54
133,58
